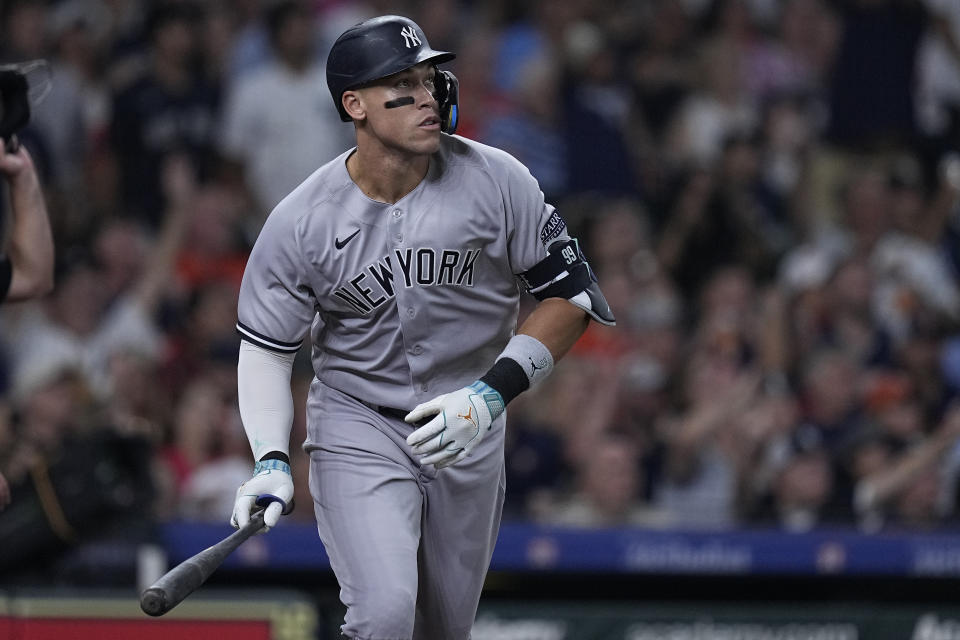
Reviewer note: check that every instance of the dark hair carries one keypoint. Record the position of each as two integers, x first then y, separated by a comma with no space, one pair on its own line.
166,13
279,14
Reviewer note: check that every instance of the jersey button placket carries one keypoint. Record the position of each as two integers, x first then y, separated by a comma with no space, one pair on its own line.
396,237
396,226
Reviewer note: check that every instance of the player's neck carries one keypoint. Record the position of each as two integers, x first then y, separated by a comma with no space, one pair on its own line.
386,177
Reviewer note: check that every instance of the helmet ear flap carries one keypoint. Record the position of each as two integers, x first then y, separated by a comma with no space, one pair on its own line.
447,95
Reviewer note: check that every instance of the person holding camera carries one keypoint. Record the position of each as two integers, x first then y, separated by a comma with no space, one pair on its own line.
26,264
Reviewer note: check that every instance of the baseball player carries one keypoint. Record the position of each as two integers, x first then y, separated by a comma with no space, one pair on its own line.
404,258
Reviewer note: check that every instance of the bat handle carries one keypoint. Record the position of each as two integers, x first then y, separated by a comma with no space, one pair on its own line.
253,525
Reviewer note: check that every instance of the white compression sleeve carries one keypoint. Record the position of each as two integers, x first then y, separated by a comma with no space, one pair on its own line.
265,398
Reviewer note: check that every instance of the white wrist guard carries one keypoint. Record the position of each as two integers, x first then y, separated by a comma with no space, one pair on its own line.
532,356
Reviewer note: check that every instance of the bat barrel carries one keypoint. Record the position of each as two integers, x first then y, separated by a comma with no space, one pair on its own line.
183,579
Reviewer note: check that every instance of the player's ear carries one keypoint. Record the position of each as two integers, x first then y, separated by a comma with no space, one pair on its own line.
353,105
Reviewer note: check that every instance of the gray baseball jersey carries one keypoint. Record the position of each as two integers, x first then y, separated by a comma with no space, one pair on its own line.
403,301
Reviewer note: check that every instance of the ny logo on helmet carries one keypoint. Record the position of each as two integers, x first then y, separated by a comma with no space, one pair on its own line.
410,37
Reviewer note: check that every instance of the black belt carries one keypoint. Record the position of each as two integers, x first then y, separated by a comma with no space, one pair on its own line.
389,412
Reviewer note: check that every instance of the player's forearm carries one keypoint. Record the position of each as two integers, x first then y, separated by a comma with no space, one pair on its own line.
31,241
545,337
265,398
557,324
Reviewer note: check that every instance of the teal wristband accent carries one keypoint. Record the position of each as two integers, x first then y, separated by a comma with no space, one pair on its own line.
492,397
267,465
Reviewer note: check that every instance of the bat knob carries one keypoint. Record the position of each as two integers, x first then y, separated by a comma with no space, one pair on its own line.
153,601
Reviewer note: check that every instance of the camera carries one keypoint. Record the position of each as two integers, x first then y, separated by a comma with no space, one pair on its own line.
21,84
14,105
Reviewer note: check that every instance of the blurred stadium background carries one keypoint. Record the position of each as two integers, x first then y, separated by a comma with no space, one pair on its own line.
765,447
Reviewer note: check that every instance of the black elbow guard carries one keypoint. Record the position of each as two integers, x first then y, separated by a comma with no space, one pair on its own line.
565,273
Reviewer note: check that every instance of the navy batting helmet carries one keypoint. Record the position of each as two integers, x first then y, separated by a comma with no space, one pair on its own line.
376,48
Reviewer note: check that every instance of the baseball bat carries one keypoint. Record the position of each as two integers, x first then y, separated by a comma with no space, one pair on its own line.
176,584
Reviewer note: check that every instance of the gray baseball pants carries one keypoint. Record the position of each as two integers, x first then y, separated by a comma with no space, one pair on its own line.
410,546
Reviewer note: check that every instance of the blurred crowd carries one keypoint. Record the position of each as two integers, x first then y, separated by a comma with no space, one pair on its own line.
768,191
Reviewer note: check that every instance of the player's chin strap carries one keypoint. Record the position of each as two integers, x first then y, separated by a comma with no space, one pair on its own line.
447,95
564,273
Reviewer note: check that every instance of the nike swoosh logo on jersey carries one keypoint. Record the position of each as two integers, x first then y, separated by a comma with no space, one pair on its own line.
341,244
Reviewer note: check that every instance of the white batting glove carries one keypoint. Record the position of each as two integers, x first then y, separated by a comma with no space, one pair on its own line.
461,420
272,487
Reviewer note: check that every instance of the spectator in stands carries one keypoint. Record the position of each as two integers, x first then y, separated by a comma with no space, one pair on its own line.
204,339
847,321
802,490
938,68
868,453
917,508
620,237
250,45
829,397
81,313
474,69
26,266
198,423
607,489
202,495
8,441
786,137
542,446
918,357
50,399
169,109
908,490
595,115
721,218
79,33
134,402
909,266
272,156
216,244
216,40
663,70
57,121
882,36
703,451
795,60
532,130
718,107
64,432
